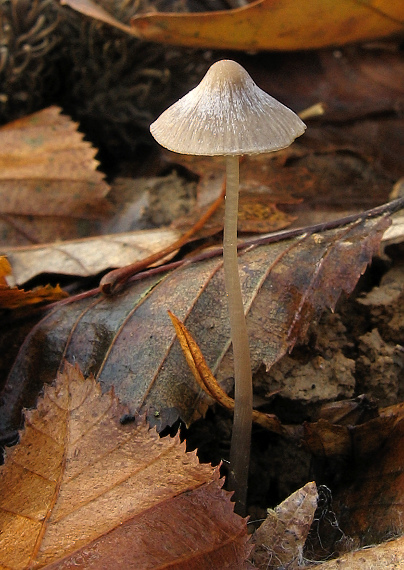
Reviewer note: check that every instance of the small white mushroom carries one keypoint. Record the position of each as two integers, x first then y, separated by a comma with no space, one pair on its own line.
228,114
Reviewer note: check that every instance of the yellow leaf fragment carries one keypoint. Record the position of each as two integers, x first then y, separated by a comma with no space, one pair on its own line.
5,270
14,298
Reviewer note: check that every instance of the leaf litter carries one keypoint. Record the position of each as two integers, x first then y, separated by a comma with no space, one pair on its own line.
386,157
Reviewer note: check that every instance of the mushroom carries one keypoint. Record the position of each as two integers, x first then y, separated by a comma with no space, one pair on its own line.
228,114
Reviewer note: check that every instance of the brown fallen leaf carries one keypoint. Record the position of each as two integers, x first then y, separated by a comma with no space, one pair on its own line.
279,541
48,179
263,24
14,298
127,341
326,439
157,506
349,412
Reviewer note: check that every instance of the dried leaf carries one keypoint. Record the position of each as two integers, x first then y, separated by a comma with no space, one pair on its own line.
48,173
158,506
263,24
87,256
14,298
284,25
285,284
279,541
324,439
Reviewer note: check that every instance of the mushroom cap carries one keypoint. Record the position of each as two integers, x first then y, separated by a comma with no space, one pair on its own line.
226,114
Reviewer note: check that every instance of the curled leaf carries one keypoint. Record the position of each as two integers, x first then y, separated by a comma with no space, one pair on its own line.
203,375
281,537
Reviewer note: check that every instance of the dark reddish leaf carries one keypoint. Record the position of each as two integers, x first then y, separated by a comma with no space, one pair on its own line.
128,341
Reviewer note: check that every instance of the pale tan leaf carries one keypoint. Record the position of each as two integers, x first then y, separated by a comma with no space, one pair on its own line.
94,10
87,256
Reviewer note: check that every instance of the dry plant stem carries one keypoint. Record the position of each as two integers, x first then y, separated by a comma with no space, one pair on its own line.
241,434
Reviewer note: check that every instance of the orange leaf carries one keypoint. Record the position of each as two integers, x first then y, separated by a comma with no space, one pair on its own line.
276,25
83,490
263,24
14,298
5,269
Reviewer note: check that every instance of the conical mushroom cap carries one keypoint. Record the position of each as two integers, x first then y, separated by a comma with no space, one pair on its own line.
227,113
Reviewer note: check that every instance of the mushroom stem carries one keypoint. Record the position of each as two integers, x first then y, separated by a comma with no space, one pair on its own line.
241,434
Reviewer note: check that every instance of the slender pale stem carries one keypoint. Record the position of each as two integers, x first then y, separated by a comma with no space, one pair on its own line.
241,434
